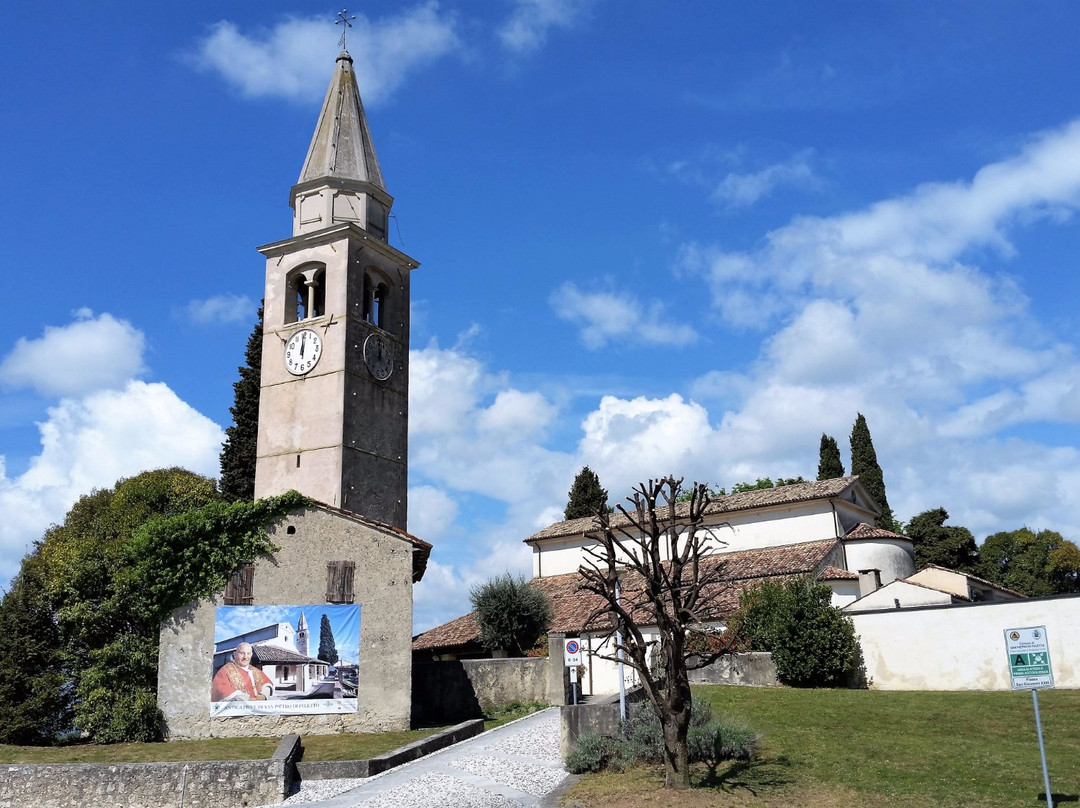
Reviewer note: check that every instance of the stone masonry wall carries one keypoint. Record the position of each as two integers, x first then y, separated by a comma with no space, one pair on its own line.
297,576
454,691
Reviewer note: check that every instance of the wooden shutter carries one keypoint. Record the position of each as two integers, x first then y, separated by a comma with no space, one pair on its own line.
239,591
339,581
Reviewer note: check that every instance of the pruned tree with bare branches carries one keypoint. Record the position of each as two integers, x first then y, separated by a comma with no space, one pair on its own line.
649,566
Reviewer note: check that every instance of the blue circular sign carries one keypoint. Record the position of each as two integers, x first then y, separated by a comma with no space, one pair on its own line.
572,647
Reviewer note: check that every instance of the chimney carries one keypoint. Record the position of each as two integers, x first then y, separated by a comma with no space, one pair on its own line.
869,581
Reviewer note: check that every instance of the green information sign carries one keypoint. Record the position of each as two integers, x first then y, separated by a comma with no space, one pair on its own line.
1029,658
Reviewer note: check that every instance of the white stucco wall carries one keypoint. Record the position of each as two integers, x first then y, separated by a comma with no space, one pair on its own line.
963,647
909,595
894,557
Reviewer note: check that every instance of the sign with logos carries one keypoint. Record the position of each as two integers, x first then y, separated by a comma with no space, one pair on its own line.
1029,658
572,653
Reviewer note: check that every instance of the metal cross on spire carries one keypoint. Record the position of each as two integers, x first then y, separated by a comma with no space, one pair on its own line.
345,21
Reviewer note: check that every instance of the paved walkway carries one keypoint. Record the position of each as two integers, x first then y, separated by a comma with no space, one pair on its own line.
517,764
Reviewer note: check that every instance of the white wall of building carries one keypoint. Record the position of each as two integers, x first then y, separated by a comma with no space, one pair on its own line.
963,647
893,557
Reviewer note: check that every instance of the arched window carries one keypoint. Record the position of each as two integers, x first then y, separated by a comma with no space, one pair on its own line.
305,295
376,294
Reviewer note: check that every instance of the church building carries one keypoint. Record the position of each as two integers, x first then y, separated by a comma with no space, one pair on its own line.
333,425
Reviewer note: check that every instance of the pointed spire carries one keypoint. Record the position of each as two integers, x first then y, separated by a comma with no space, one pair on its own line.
341,147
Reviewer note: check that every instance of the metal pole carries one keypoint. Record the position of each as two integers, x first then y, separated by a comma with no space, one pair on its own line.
1042,750
622,679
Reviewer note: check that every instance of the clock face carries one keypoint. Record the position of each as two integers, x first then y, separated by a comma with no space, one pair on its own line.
379,355
302,351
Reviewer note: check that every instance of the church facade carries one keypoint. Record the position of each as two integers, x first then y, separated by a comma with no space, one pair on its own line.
333,425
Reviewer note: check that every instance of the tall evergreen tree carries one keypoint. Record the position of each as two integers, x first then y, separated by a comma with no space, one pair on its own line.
239,450
952,547
327,646
586,496
830,465
864,464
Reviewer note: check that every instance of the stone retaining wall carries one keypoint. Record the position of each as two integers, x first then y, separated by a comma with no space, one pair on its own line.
753,668
196,784
453,691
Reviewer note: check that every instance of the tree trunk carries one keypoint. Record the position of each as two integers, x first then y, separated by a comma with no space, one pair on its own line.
676,751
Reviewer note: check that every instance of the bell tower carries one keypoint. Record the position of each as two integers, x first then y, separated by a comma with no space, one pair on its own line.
333,406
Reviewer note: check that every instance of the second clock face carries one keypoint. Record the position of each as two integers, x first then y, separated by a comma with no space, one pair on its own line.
302,351
379,355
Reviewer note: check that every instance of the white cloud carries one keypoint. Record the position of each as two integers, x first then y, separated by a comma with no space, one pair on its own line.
291,60
532,20
221,309
606,317
431,512
92,353
93,442
743,190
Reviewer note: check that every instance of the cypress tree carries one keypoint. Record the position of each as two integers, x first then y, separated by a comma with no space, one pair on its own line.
239,450
864,464
586,496
327,646
829,464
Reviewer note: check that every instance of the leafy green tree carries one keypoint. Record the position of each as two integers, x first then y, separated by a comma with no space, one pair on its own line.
511,614
829,464
864,463
952,547
121,562
327,647
586,496
813,643
238,453
1033,564
34,709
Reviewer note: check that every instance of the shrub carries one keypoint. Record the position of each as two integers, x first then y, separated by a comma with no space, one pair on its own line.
813,643
511,614
591,754
641,740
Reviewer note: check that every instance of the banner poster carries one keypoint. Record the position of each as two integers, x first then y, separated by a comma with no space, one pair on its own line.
285,660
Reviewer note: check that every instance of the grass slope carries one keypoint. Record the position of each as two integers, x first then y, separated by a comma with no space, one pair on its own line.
855,747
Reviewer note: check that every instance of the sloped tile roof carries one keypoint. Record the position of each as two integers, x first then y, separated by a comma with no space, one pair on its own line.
760,498
837,574
865,530
572,606
275,655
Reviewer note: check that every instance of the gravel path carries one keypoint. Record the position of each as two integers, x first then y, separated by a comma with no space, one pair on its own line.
517,764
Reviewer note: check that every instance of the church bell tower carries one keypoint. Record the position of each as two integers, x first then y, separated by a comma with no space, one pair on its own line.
333,406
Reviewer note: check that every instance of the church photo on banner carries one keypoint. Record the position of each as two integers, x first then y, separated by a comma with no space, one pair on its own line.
285,660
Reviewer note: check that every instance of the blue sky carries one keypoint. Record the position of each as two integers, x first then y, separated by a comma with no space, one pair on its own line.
683,239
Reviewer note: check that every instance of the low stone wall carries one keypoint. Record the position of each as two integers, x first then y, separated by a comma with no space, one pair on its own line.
339,769
454,691
753,668
151,785
599,715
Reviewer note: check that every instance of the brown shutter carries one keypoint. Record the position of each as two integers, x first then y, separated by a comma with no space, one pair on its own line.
239,591
339,581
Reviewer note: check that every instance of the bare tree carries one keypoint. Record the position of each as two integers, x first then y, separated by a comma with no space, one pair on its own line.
651,571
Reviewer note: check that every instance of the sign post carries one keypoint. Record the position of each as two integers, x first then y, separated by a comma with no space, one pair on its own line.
1029,668
572,659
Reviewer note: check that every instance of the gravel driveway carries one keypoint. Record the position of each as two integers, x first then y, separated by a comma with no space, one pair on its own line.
517,764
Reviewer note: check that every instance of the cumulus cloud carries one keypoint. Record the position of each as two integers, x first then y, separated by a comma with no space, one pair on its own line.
290,60
93,442
606,317
528,27
740,190
221,309
92,353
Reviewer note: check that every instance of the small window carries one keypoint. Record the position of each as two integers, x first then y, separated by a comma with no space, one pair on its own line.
305,296
339,581
376,294
239,591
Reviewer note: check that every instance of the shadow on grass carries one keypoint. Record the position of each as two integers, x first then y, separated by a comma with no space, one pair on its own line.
749,775
1059,798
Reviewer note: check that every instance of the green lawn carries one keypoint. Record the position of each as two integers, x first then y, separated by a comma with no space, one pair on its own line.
858,747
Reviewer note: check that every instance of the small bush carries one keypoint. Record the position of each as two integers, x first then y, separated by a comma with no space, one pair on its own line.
592,754
641,740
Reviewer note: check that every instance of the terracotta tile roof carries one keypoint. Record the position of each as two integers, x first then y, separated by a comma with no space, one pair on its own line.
746,500
274,655
864,530
837,574
571,605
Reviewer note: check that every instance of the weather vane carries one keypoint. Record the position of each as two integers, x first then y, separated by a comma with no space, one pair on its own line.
345,21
